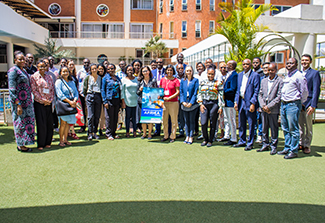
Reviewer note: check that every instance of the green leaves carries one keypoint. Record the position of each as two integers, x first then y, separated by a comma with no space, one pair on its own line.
51,49
156,47
240,29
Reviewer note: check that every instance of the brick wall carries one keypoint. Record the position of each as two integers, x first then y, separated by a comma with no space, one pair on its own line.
67,6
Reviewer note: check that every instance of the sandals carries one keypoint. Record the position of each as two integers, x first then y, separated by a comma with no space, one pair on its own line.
62,144
110,138
74,136
22,150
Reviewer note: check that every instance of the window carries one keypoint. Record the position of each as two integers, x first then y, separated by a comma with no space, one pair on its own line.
171,30
184,29
198,5
183,49
225,2
60,30
211,26
171,5
161,6
277,58
104,30
141,31
197,29
280,8
212,5
142,4
160,29
171,52
184,5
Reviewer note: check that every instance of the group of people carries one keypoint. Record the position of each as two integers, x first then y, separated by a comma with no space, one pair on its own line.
209,96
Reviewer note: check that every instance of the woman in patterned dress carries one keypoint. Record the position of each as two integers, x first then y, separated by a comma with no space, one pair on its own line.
22,105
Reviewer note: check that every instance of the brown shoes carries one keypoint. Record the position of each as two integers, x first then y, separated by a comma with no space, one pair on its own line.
306,150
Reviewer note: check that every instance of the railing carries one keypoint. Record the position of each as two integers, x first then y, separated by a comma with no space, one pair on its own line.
5,107
116,60
110,35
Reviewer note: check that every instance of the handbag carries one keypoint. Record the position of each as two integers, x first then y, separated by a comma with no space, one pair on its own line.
64,108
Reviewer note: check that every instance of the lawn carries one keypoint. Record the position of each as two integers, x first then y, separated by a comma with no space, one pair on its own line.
134,180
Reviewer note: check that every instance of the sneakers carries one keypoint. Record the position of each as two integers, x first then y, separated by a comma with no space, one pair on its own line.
259,139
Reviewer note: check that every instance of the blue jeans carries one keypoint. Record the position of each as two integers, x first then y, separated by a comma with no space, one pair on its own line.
259,124
189,117
289,123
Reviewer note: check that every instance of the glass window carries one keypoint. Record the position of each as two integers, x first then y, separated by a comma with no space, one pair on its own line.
184,29
197,29
198,5
211,26
161,6
184,5
141,31
224,1
142,4
161,30
171,30
171,5
115,31
212,5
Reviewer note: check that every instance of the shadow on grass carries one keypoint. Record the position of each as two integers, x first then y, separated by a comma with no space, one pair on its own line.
167,211
6,135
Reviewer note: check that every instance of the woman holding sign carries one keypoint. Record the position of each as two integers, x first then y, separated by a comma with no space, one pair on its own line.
188,92
145,80
171,92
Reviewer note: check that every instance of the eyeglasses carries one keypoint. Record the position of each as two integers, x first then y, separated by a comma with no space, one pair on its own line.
223,67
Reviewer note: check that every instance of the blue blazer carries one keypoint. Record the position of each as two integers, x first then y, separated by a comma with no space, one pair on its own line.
230,88
155,73
192,89
313,83
252,90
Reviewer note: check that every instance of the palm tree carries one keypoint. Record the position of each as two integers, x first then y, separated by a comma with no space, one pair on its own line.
156,47
240,30
52,50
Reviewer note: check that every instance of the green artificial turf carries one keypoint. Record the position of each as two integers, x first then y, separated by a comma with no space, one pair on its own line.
134,180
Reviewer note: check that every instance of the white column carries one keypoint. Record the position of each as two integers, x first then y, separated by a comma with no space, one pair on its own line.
267,2
77,5
10,55
127,18
306,44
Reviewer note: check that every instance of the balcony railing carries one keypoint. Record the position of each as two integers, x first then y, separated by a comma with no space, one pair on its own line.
110,35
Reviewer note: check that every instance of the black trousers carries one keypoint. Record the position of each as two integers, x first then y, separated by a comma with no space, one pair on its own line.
55,119
94,103
111,118
196,130
83,106
210,113
44,124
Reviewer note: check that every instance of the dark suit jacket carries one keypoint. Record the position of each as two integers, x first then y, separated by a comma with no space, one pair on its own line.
313,83
155,74
274,98
230,88
252,89
192,89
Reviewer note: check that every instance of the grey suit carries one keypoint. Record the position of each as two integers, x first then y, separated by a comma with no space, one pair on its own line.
272,100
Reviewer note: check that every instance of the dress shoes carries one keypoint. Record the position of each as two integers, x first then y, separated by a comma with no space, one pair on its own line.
291,155
240,145
306,150
164,139
264,148
283,152
209,144
273,152
229,143
248,148
223,140
204,143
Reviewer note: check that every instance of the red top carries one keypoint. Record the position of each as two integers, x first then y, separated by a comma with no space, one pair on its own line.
169,87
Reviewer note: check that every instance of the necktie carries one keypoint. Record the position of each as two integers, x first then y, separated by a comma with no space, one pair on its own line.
159,76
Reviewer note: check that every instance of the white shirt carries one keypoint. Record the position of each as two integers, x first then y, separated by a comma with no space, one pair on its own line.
244,83
304,72
81,75
270,84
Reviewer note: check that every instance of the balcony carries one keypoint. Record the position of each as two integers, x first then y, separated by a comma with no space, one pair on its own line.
109,35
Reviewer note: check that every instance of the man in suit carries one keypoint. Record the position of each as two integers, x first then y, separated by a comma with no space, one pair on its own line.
294,92
308,108
269,99
246,103
229,92
158,74
257,62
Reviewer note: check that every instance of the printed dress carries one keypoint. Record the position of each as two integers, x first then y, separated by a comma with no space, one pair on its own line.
20,90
